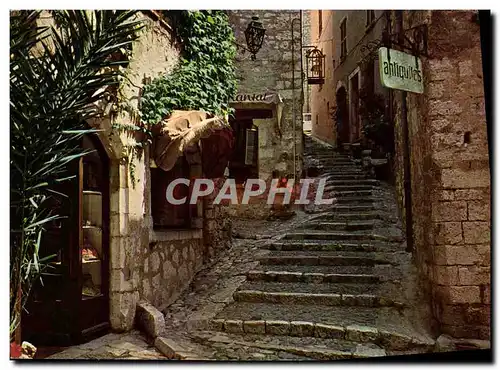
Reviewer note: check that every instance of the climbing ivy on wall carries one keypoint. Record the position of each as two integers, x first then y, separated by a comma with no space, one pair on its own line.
205,77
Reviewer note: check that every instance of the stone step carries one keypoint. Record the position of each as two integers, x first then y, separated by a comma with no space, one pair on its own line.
337,245
334,182
348,199
348,176
384,326
340,226
325,299
348,187
311,277
342,208
351,193
312,348
332,170
324,235
313,258
333,216
324,287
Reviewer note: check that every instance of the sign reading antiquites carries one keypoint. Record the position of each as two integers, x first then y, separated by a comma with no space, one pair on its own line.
401,71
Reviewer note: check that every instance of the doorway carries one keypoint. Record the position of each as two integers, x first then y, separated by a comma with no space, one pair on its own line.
244,161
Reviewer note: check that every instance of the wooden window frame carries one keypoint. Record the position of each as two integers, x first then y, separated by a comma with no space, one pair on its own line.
320,23
158,198
343,39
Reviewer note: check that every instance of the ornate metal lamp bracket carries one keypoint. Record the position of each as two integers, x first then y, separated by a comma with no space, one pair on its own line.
414,40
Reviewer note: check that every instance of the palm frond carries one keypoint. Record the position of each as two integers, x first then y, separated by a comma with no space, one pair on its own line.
57,75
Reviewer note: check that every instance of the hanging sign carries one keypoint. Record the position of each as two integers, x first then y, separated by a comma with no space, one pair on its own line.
268,98
400,71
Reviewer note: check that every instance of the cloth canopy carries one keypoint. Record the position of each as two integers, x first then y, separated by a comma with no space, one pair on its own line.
271,98
183,129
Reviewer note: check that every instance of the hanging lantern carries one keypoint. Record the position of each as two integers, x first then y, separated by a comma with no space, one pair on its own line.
315,64
254,35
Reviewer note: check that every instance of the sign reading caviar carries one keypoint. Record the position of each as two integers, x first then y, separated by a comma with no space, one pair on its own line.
400,71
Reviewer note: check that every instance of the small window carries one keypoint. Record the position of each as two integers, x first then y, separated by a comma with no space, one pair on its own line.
343,39
251,147
167,215
370,17
320,22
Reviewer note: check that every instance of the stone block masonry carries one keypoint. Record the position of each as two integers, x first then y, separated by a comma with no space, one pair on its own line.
274,70
450,174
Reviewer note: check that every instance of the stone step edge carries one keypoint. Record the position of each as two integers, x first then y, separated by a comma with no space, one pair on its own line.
174,351
369,236
309,277
323,260
307,351
326,299
356,333
343,247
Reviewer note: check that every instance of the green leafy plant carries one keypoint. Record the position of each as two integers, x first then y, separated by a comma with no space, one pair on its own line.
57,75
205,77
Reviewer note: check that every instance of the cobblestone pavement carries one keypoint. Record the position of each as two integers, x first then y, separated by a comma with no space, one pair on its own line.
129,346
333,282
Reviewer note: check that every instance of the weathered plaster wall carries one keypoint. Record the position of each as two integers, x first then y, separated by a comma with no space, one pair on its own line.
323,96
450,178
338,71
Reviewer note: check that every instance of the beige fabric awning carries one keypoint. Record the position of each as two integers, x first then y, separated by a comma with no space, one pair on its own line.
259,101
179,131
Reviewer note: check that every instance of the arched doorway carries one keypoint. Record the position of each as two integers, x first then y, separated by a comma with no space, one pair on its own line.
343,133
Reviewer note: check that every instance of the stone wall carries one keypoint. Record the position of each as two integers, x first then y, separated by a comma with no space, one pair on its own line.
145,264
169,262
272,72
306,41
217,224
450,174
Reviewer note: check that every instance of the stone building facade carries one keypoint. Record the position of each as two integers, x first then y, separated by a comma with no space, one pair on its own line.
448,153
277,72
147,263
450,177
346,72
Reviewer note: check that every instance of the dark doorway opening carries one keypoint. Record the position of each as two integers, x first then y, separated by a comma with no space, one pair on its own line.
244,161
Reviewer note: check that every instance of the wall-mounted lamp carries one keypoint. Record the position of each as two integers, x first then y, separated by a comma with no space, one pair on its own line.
315,66
254,35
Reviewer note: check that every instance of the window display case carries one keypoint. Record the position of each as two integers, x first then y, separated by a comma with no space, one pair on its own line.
72,304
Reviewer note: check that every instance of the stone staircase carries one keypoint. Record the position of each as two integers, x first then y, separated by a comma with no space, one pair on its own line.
339,286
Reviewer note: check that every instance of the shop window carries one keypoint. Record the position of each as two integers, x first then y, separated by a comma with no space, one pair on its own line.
166,215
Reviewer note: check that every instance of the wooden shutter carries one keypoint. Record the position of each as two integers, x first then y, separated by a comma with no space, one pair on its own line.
251,147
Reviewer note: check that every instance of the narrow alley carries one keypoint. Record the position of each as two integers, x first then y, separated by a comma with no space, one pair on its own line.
250,184
331,283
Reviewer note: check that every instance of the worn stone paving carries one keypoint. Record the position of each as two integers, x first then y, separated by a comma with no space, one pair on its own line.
334,282
128,346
